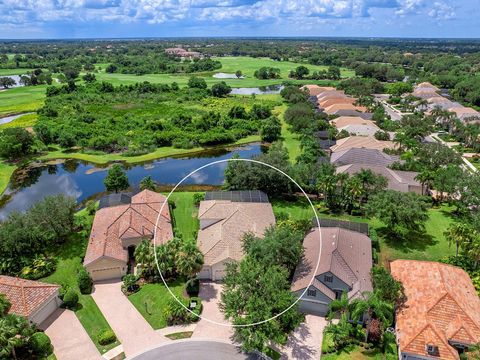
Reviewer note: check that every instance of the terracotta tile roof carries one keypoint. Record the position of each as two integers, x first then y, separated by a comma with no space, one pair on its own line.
367,142
331,94
315,89
360,130
223,224
26,296
138,219
441,305
333,109
332,101
342,121
345,253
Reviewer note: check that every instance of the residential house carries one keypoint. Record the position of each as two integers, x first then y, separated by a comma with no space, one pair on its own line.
343,121
118,229
339,260
346,112
363,156
33,299
403,181
328,102
441,316
225,217
367,142
360,130
333,109
314,90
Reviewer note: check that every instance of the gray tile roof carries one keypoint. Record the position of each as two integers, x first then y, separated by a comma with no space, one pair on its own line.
363,156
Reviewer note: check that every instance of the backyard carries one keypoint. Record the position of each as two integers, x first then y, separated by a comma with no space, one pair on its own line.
185,215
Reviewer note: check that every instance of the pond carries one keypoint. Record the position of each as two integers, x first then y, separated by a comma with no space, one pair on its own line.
262,90
83,180
227,76
16,78
7,119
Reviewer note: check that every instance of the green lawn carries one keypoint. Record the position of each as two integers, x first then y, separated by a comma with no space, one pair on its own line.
6,171
151,300
16,71
354,352
22,99
230,64
185,214
290,139
24,121
429,246
69,256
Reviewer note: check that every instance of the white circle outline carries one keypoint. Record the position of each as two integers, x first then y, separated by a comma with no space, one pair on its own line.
166,202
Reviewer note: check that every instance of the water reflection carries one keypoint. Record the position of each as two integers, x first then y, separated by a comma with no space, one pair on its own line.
83,180
262,90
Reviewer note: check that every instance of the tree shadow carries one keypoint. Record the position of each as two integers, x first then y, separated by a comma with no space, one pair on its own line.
300,350
413,241
207,291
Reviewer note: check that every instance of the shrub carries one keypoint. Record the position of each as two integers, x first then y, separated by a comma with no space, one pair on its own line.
197,197
85,282
130,283
106,337
40,344
70,299
193,287
40,267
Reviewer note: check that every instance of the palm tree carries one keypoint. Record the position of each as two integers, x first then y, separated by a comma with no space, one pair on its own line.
460,234
354,191
147,184
189,260
144,255
14,331
341,306
165,259
425,178
340,332
5,305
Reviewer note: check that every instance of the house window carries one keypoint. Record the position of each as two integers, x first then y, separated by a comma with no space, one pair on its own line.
312,292
432,350
328,278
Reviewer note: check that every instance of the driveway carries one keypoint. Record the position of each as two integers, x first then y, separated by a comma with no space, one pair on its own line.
69,338
210,294
133,331
194,350
306,342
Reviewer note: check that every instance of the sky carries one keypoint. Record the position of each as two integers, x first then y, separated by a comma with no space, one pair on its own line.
36,19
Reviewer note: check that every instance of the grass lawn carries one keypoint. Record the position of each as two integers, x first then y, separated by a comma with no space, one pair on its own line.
429,246
69,257
354,352
230,64
185,215
22,99
16,71
180,335
290,140
24,121
6,171
151,299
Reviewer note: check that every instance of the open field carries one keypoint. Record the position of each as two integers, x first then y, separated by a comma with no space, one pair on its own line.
16,71
22,99
6,171
25,121
230,64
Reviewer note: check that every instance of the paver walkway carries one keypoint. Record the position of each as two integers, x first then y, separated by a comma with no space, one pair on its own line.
69,338
306,342
210,295
133,331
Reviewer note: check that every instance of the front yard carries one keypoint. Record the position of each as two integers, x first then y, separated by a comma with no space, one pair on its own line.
152,299
69,262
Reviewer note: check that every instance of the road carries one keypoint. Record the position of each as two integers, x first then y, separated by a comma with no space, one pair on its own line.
194,350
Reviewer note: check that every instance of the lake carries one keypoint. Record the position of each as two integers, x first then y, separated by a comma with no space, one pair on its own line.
227,76
83,180
16,78
263,90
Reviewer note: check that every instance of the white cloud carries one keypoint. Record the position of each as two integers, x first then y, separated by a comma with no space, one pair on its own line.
442,11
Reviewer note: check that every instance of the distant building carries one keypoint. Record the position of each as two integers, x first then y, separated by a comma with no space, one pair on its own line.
180,52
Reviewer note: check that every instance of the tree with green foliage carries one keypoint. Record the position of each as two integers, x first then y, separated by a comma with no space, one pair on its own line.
221,89
116,179
89,78
267,73
197,82
15,143
238,74
5,305
15,332
147,183
339,306
386,287
7,82
253,292
402,213
300,72
399,88
270,129
189,260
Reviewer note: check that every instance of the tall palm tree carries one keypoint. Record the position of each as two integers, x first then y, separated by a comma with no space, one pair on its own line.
340,306
374,307
147,184
354,191
425,178
166,260
460,234
144,255
189,260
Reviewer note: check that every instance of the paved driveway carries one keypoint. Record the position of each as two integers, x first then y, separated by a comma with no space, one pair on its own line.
306,342
194,350
133,331
69,338
210,294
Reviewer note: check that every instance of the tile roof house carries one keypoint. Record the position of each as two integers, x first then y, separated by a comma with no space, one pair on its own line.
403,181
345,263
360,130
442,311
363,156
222,226
347,112
342,121
344,100
33,299
117,228
333,109
314,90
367,142
466,113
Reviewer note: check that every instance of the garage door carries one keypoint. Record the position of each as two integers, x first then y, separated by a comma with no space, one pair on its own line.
219,275
107,273
45,311
314,308
204,274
